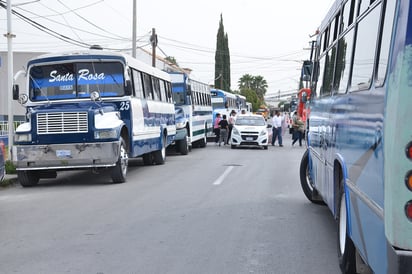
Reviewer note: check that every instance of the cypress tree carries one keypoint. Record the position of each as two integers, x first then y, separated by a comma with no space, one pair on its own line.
222,59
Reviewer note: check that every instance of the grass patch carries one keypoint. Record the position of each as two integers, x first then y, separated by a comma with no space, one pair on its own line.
10,168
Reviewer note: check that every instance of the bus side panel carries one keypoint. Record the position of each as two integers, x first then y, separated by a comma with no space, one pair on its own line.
149,119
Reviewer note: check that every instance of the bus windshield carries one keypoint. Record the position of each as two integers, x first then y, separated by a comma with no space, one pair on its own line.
75,80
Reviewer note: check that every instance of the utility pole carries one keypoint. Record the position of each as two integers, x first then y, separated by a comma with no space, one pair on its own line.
153,40
9,98
134,30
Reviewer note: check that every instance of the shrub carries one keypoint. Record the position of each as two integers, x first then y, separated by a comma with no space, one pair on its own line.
10,168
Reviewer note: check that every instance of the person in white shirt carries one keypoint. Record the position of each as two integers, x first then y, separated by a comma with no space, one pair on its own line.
232,119
277,128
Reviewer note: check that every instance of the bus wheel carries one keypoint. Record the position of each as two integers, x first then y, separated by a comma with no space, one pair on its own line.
28,178
203,141
183,146
306,181
119,171
346,248
159,156
147,159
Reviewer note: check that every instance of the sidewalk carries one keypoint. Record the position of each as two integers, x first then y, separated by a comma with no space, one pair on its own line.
9,179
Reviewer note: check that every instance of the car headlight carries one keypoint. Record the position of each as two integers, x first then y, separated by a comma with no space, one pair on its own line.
105,134
235,131
25,137
263,132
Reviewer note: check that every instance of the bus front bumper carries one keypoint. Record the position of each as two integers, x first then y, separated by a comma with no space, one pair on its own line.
65,156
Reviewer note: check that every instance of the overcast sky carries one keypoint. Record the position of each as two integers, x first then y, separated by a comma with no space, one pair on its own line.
266,37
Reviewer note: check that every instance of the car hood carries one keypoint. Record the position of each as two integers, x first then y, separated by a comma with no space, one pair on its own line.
249,128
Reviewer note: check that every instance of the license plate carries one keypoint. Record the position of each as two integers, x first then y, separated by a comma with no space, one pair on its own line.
249,138
63,153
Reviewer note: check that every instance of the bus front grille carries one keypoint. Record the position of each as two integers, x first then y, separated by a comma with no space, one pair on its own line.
62,122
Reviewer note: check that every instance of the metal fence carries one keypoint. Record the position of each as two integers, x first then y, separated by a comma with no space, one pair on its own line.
4,127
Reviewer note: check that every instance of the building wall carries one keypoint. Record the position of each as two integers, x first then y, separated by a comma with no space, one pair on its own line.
20,60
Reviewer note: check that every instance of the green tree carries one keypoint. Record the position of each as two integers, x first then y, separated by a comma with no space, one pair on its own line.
255,83
171,60
260,86
246,81
222,59
251,97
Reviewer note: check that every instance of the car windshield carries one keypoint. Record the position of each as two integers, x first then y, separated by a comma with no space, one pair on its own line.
250,121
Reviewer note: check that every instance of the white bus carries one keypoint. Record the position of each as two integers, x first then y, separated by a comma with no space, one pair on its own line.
193,106
94,110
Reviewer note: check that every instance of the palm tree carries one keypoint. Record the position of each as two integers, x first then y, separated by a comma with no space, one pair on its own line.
260,86
245,82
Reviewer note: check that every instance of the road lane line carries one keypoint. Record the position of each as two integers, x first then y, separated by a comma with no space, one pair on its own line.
223,176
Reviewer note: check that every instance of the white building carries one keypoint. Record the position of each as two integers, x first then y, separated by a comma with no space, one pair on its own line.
20,60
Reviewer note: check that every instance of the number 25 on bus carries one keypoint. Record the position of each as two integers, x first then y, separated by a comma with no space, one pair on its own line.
359,156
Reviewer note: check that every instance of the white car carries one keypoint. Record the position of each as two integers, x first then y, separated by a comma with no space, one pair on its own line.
250,130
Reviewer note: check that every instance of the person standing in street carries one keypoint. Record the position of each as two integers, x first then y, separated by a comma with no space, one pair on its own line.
277,128
224,127
232,119
216,128
299,126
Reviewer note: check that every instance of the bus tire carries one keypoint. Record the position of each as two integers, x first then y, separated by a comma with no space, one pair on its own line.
183,146
203,141
28,178
147,159
119,171
159,156
305,179
346,248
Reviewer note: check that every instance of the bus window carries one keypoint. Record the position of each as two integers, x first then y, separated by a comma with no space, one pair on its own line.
147,84
363,61
163,93
345,46
328,76
385,42
137,82
156,89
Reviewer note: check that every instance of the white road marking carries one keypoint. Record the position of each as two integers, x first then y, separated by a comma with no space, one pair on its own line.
223,176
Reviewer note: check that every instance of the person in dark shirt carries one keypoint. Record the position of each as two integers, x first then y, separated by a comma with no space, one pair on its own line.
224,128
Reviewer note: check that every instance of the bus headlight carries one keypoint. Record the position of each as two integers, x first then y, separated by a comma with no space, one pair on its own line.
22,137
180,125
105,134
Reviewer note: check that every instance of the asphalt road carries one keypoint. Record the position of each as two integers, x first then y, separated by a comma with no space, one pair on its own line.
216,210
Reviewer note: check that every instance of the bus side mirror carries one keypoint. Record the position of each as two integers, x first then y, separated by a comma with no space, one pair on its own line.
15,92
189,90
128,88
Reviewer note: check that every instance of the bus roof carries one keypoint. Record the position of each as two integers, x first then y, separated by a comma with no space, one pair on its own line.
93,54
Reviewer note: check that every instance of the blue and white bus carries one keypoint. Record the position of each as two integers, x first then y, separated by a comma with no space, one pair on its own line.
222,99
359,156
94,110
193,106
224,102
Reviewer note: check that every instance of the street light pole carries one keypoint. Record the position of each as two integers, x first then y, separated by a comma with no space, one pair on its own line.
9,96
134,30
